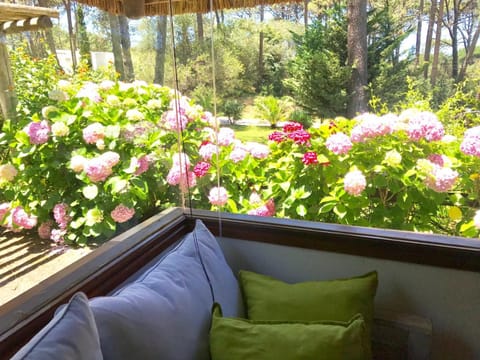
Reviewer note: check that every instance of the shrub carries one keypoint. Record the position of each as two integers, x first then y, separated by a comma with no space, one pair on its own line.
233,110
272,109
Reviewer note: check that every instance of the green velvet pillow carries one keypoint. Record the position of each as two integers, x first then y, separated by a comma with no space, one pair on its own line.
240,339
339,300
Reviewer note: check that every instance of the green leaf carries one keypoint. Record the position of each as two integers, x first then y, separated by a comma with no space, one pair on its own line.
301,210
326,208
285,186
112,131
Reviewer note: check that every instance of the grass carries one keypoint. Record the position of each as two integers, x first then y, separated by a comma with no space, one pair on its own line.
252,133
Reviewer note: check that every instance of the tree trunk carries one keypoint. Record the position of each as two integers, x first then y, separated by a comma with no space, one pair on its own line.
456,15
49,36
7,92
116,45
73,49
260,48
200,36
83,42
125,41
428,40
357,56
470,52
160,48
438,40
418,43
305,14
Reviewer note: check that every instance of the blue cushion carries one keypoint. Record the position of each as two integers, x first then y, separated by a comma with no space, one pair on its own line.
71,334
166,313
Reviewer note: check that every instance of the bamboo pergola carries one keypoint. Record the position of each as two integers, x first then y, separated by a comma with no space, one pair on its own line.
17,18
139,8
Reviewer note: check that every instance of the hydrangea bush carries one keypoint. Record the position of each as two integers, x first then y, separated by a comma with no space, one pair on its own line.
102,156
92,162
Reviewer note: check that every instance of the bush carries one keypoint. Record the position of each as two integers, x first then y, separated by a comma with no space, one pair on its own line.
272,109
233,110
301,117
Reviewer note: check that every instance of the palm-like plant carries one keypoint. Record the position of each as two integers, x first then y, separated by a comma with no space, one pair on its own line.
273,109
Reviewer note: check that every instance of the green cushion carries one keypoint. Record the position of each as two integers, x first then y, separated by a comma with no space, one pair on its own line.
339,300
240,339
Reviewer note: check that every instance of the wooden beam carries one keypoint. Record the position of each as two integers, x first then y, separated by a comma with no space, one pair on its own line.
32,24
134,9
10,12
7,94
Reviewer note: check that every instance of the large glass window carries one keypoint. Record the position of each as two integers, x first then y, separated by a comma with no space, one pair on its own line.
327,112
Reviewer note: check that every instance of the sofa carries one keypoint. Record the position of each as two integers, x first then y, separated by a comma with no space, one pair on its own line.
164,311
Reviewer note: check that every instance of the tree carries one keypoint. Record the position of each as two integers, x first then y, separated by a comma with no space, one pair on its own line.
73,46
357,56
125,41
116,45
160,49
428,40
418,42
83,42
470,52
438,39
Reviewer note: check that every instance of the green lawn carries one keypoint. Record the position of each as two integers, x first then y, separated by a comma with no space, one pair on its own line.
252,133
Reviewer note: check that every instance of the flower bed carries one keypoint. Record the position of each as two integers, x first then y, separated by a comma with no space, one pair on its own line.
102,156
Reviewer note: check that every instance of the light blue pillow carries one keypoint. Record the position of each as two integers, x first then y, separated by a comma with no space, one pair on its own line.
166,313
71,334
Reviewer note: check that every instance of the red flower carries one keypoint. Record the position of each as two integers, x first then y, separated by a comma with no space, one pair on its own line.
292,126
277,136
310,157
201,168
205,142
300,137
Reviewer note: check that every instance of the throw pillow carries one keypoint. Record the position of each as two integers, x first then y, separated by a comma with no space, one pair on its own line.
269,299
71,334
166,313
239,339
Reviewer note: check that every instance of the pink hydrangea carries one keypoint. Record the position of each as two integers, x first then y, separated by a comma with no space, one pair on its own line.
97,169
89,91
110,158
425,125
300,137
441,179
93,133
310,158
174,122
60,214
218,196
258,151
268,209
238,154
181,105
207,150
142,165
255,198
201,168
339,143
122,213
471,142
45,229
22,219
57,236
354,182
226,136
38,132
370,126
4,209
181,159
437,159
292,126
277,136
182,178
